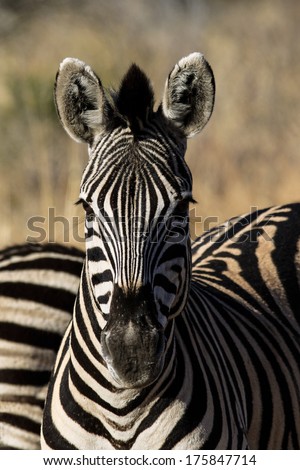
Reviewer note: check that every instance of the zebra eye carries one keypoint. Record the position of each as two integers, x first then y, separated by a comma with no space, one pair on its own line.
87,208
182,207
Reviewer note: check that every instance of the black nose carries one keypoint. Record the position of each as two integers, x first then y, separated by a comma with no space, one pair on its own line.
133,341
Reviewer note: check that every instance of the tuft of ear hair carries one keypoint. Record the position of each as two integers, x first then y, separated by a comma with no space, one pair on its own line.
135,98
80,100
189,94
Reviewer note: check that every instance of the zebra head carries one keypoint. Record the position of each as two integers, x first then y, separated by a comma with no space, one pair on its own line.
136,191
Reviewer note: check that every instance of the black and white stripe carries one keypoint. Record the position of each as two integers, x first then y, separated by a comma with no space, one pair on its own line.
247,274
38,286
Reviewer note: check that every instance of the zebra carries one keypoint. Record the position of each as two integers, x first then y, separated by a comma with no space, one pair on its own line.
171,345
38,286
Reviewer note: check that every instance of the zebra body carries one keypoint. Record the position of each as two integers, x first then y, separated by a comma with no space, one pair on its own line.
38,286
247,278
170,346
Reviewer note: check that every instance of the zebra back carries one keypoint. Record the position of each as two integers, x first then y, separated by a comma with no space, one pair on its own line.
38,286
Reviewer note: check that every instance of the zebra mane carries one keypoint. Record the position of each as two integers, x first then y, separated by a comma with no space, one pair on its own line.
135,98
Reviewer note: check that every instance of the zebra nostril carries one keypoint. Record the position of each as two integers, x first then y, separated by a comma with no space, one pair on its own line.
105,334
105,343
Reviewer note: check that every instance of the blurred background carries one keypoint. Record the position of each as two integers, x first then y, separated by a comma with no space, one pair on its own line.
248,155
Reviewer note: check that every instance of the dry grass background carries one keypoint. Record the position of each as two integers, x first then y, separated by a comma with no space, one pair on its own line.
247,156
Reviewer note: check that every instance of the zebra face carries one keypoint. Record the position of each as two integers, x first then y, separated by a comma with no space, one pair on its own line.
137,242
136,190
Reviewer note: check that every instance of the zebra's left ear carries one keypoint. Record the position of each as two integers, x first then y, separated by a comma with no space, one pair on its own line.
189,94
80,100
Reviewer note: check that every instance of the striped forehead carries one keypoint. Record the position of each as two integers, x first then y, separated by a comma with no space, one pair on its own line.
122,167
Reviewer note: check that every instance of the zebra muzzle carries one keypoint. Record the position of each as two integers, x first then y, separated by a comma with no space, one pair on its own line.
134,357
133,340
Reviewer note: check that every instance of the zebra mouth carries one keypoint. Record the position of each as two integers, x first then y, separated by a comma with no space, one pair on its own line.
133,378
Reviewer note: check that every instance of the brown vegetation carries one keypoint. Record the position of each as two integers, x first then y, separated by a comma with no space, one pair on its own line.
246,157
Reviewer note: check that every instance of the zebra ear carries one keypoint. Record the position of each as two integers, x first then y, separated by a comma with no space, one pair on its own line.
189,94
79,99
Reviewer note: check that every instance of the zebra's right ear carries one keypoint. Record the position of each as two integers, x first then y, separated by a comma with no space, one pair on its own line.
79,99
189,94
